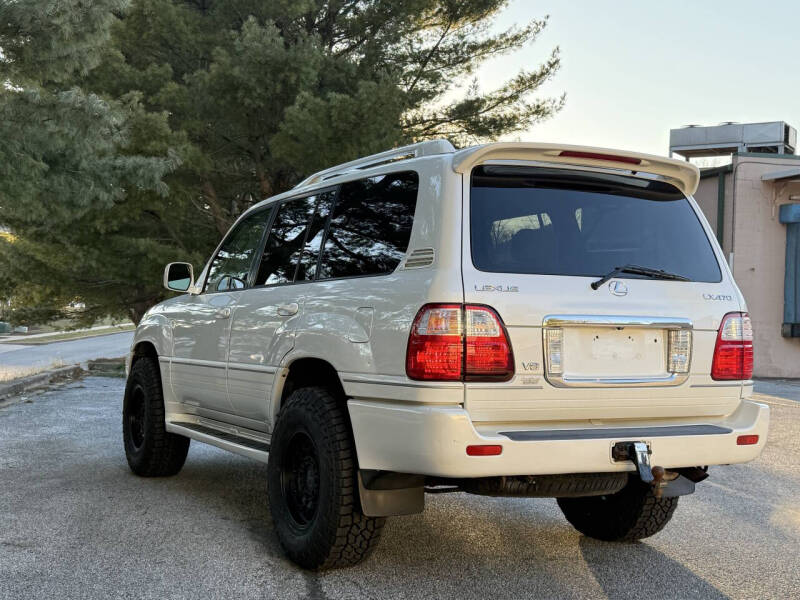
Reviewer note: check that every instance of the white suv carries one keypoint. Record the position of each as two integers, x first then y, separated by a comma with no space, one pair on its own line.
510,319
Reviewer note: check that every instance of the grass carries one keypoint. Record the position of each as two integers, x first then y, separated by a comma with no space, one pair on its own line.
67,335
11,373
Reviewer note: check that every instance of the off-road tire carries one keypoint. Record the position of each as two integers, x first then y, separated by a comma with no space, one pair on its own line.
150,449
330,531
631,514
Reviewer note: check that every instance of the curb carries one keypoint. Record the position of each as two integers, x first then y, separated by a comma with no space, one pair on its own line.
106,367
28,341
34,382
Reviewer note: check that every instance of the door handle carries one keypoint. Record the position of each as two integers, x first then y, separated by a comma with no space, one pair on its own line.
223,313
287,310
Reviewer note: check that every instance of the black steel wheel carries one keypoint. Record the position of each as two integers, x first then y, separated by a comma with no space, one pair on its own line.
312,485
150,449
135,417
300,479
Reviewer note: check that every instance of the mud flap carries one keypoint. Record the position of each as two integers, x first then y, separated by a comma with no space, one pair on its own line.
387,494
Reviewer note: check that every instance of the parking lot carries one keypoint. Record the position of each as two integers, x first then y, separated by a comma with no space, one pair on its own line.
75,523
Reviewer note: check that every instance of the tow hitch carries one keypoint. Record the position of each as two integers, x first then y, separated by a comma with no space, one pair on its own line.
639,454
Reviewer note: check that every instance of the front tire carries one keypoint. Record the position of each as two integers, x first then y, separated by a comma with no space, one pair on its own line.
150,449
631,514
312,486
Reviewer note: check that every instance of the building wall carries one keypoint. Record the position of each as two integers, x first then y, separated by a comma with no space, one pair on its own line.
706,196
758,243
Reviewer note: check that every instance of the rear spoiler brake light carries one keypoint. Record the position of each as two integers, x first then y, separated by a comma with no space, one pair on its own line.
599,156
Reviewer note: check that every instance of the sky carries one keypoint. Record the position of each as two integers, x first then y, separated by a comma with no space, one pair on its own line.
634,69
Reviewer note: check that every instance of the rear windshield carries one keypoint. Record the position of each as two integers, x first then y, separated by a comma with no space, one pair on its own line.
559,222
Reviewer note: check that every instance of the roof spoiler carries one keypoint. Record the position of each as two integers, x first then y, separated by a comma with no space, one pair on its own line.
683,175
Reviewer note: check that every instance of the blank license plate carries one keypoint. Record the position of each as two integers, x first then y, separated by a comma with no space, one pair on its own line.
613,352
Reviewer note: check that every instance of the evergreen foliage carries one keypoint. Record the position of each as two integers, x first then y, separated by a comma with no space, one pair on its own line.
133,134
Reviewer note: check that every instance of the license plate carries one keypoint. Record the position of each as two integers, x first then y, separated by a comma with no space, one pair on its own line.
614,352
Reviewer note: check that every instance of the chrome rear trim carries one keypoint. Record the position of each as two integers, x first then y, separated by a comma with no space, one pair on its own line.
662,323
616,321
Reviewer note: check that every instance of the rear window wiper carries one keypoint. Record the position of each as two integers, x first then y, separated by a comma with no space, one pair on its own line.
637,270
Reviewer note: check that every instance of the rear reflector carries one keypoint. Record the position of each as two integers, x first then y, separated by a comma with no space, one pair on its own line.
484,450
746,440
733,353
599,156
454,342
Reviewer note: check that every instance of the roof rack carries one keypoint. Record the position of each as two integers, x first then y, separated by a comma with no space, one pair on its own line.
427,148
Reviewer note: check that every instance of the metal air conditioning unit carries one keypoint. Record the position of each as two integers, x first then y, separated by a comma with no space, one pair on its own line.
776,137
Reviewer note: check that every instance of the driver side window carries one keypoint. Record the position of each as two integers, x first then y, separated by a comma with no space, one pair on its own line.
230,268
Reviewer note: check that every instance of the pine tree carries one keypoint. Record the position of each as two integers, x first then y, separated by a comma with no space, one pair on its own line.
134,135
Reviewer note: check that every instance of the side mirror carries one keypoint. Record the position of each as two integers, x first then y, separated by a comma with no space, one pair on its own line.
178,276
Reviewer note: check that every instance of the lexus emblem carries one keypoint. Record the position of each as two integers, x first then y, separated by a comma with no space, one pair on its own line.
618,288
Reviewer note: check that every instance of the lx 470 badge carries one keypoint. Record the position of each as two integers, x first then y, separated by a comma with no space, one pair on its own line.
721,297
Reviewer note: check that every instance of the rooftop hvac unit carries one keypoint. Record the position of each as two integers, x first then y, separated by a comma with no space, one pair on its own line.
776,137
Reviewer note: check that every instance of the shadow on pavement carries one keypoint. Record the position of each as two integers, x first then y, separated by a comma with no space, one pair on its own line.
640,571
489,546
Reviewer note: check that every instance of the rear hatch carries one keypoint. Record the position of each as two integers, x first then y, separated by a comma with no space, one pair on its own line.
640,345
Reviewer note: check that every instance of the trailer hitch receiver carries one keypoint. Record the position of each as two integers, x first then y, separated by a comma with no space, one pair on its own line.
639,454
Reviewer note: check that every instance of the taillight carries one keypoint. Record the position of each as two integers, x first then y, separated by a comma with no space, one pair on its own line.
455,342
489,355
435,345
733,353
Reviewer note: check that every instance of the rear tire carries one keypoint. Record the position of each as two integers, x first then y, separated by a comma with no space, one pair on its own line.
150,449
631,514
312,486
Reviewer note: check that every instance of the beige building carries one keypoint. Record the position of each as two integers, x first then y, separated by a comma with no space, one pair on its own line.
753,204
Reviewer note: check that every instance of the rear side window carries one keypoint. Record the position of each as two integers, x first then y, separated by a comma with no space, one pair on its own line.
370,226
231,266
559,222
285,241
307,268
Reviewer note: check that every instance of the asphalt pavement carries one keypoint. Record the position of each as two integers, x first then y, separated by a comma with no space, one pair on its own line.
75,523
69,352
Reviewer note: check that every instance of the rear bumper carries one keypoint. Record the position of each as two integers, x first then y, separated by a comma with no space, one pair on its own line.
432,440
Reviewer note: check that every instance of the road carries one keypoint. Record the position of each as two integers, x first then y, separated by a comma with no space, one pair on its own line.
69,352
75,523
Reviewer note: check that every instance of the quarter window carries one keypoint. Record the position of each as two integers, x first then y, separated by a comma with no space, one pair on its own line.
370,226
231,266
